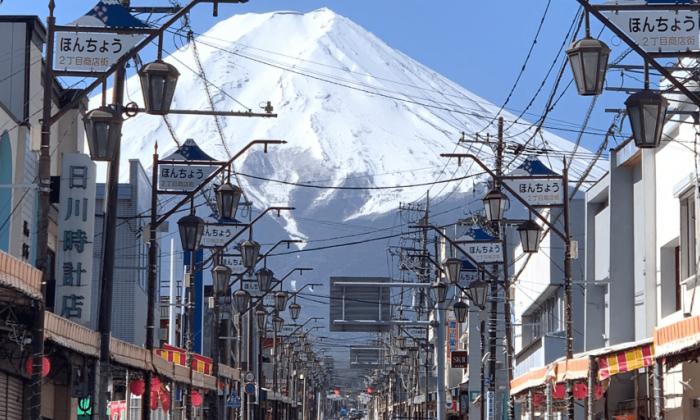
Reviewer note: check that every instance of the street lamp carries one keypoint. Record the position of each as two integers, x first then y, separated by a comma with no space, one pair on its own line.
460,309
241,299
158,80
647,111
261,320
264,276
220,275
281,301
494,205
530,233
103,128
277,323
294,310
439,291
478,291
227,198
589,61
191,230
452,267
249,253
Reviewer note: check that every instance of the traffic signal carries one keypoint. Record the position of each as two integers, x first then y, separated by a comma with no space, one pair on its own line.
337,392
369,390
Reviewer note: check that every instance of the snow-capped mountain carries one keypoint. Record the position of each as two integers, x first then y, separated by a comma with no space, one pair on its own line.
365,126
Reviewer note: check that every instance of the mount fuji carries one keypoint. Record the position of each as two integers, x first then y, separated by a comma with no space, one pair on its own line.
365,126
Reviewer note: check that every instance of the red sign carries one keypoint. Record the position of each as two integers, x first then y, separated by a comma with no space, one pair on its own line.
459,359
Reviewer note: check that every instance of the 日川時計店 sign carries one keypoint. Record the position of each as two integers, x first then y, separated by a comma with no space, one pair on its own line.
659,30
90,52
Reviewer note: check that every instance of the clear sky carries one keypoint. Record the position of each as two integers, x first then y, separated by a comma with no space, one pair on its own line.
481,45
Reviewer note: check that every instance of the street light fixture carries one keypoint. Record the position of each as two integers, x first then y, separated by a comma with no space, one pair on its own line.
241,299
494,205
589,61
294,310
158,80
221,275
647,112
478,291
264,276
452,267
460,309
439,291
249,253
281,301
191,230
103,128
261,320
277,323
228,196
530,233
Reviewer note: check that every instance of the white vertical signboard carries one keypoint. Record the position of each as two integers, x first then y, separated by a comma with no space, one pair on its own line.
76,226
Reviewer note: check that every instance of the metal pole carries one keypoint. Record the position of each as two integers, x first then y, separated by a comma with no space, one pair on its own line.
569,316
592,374
190,340
482,326
493,322
659,390
109,233
151,287
215,402
42,227
441,363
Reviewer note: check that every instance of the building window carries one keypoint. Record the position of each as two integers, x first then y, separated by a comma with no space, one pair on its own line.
548,318
687,245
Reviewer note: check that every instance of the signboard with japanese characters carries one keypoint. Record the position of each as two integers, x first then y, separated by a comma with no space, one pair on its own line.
483,252
183,177
452,336
235,263
91,52
76,226
538,192
659,30
218,234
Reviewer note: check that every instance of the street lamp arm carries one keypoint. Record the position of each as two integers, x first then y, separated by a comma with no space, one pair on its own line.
304,287
211,177
302,325
476,160
261,297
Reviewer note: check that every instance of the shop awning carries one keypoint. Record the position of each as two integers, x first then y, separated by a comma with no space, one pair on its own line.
620,358
677,337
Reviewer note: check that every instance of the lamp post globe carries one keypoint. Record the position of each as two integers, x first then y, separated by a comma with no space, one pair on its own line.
191,229
228,196
241,299
294,310
264,276
494,205
158,80
530,233
103,128
277,323
261,320
588,58
250,250
220,275
460,309
452,267
478,291
647,112
281,301
439,291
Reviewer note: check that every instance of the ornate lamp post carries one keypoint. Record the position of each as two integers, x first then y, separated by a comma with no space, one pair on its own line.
103,128
530,233
191,229
494,205
647,112
228,196
221,275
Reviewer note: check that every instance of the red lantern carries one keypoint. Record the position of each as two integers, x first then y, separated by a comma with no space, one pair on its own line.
559,391
154,400
46,367
155,383
137,387
599,392
580,391
221,385
164,400
537,399
196,398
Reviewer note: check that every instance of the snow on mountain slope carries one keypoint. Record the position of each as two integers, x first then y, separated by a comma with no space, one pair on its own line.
356,113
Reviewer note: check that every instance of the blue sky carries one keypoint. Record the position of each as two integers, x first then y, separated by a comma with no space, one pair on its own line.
481,45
